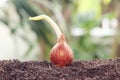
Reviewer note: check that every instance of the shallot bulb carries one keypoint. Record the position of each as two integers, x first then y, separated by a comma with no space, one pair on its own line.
61,54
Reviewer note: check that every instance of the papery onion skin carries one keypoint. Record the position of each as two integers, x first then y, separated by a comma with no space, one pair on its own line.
61,54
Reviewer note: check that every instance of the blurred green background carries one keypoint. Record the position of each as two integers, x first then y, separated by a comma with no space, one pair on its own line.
91,27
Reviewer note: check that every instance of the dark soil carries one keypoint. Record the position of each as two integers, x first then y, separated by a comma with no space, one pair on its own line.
78,70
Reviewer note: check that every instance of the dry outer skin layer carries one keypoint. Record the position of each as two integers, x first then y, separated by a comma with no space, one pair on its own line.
78,70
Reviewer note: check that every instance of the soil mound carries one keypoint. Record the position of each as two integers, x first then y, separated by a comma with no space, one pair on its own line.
78,70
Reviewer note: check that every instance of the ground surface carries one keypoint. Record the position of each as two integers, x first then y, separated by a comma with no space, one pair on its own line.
78,70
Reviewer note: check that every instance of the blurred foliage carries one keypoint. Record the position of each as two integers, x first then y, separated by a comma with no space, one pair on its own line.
85,14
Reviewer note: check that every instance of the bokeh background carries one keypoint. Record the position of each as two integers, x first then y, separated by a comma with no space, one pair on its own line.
91,27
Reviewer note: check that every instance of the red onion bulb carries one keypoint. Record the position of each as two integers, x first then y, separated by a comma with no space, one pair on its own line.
61,54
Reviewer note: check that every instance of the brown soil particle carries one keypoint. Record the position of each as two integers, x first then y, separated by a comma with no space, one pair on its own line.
78,70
